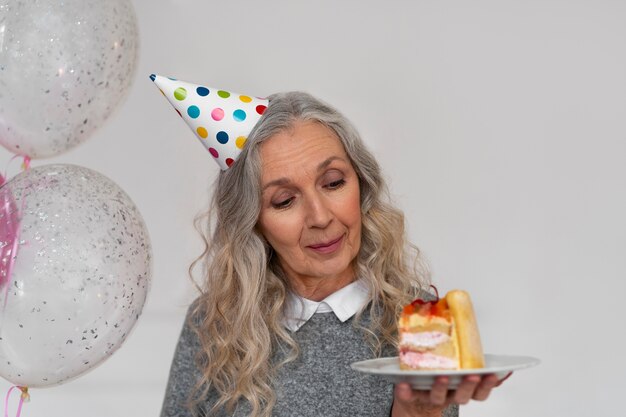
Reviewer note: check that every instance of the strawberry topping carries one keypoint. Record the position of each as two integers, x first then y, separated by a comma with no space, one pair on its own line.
438,307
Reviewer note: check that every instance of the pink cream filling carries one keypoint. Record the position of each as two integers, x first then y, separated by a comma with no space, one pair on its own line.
423,339
427,360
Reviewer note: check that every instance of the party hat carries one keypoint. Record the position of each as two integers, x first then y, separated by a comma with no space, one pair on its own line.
222,120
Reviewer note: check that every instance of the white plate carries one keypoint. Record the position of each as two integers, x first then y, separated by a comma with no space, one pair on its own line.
389,368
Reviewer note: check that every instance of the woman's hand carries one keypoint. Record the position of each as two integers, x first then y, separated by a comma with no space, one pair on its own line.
408,402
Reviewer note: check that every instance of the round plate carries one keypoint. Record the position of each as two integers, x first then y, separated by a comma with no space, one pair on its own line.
389,368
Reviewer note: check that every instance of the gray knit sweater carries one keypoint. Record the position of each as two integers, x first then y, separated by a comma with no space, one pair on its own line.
319,382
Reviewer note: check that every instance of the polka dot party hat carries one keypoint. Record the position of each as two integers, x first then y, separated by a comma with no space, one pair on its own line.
222,120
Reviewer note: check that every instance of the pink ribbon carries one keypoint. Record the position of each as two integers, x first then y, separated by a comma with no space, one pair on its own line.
23,397
9,231
25,163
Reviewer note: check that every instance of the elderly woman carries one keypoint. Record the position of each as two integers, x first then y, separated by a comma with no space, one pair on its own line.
305,271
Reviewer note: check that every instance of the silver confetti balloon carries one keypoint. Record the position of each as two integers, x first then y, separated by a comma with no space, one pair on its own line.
64,67
78,278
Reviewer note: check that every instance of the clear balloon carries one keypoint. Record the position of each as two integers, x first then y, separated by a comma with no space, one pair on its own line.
64,67
79,278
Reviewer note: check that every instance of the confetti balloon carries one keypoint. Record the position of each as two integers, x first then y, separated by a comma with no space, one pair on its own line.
64,67
79,274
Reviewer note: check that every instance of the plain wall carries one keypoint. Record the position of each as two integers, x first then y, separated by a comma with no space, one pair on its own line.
500,128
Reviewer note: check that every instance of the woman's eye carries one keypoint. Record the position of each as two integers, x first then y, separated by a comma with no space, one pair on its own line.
336,184
283,204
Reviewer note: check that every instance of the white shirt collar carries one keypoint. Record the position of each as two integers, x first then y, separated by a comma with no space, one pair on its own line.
345,303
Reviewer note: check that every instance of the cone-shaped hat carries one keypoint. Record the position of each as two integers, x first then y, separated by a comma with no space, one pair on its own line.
222,120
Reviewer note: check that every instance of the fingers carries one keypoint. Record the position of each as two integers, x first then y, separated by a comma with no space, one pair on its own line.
439,391
466,389
403,392
407,395
484,388
471,387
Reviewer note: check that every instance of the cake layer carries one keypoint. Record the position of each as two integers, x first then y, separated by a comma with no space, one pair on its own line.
434,326
415,320
423,340
410,360
437,343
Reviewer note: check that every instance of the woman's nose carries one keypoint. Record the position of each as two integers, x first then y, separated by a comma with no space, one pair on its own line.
318,213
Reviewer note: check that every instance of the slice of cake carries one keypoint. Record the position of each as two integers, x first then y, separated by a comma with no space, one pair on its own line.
440,335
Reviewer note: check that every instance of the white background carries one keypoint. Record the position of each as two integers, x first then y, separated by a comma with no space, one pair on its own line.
500,126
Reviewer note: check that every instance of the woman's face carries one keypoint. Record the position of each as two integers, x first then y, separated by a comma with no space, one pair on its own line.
310,211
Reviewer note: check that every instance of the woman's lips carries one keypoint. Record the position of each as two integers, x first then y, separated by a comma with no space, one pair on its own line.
328,247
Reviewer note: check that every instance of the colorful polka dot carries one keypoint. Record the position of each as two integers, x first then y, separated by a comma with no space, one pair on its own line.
217,114
193,112
180,93
239,115
202,132
222,137
217,117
